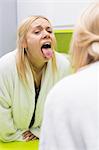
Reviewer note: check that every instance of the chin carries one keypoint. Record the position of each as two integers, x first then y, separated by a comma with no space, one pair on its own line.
47,59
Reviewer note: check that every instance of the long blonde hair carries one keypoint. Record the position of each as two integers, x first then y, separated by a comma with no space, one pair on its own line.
21,58
85,36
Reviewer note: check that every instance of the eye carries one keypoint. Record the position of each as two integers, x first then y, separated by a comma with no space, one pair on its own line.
50,31
37,32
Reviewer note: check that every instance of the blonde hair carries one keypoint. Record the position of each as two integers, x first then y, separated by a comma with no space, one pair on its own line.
21,58
86,34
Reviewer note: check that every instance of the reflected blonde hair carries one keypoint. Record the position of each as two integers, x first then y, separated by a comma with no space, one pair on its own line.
85,35
21,58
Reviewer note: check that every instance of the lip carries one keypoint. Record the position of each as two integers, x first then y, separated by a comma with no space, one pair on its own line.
46,42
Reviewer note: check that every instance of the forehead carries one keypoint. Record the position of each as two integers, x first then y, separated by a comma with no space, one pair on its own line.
41,22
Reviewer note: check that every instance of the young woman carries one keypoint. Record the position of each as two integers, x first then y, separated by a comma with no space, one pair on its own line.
26,76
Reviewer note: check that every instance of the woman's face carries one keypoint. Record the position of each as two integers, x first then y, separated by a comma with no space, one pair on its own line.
39,40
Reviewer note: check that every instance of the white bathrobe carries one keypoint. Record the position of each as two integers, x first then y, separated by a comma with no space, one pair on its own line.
71,115
17,101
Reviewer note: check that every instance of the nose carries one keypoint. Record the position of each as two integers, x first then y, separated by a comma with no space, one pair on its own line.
45,34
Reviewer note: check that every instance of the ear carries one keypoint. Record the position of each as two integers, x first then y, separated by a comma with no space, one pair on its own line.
24,43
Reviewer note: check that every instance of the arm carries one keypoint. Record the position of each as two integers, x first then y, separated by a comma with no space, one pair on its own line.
8,131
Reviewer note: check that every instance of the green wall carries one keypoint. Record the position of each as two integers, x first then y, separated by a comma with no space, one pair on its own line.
63,38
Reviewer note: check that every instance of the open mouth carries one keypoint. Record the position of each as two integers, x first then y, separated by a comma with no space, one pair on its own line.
46,45
47,50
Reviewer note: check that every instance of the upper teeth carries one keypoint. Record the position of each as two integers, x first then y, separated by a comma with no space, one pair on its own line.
47,43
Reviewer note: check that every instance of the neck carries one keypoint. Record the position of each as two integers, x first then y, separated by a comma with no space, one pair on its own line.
37,75
36,66
37,69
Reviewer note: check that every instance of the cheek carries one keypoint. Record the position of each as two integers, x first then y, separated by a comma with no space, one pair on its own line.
30,40
54,41
33,46
32,43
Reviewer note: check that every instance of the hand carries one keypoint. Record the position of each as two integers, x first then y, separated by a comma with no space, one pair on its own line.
28,135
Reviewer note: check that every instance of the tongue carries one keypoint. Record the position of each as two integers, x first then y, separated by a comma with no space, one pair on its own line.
48,53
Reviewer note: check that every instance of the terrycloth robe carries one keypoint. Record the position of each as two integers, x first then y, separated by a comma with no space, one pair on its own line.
17,101
71,116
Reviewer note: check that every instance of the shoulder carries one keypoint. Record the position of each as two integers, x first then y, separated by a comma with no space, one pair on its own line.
8,61
61,58
77,89
8,58
63,63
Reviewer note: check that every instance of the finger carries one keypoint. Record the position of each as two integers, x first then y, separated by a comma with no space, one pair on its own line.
25,133
30,137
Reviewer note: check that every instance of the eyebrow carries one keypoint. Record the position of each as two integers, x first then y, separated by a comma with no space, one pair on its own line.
40,27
